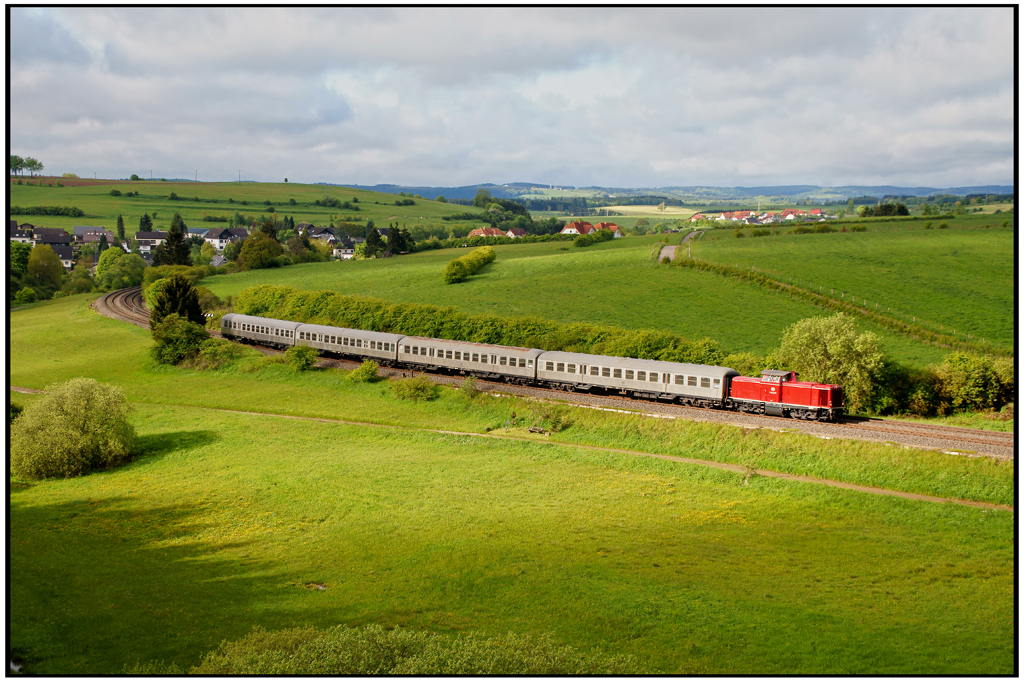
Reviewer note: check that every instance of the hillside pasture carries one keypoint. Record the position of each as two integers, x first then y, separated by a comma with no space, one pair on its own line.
961,278
614,282
217,199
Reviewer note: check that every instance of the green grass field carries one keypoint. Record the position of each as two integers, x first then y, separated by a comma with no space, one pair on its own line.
960,278
226,518
610,283
102,209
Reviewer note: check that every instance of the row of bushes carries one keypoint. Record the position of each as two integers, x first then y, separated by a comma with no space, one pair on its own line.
596,237
68,211
476,241
466,266
335,309
153,279
903,328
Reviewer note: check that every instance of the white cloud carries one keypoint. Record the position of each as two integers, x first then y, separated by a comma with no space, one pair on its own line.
448,96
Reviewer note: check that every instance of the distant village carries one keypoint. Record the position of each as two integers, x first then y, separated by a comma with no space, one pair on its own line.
750,217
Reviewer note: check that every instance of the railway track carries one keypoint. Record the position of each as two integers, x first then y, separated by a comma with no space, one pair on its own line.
128,305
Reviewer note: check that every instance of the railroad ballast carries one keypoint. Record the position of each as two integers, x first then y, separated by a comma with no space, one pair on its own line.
777,393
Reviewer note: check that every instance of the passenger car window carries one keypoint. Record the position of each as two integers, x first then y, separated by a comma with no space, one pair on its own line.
705,382
641,375
594,371
550,366
571,369
717,382
503,361
606,372
680,379
617,373
654,376
560,367
629,374
692,381
476,357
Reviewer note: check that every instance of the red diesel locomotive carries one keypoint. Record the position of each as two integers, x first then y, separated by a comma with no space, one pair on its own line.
779,393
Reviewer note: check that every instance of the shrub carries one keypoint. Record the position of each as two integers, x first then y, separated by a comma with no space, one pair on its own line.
365,372
177,339
468,265
115,192
214,354
374,650
301,357
74,428
469,388
26,296
419,388
14,411
943,225
969,382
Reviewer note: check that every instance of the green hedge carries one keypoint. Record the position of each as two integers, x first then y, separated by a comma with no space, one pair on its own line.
462,268
353,312
68,211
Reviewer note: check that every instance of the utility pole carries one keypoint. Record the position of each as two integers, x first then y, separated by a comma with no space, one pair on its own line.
239,175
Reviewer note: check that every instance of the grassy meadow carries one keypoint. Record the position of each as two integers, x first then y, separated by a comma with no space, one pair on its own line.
215,199
614,282
961,278
227,517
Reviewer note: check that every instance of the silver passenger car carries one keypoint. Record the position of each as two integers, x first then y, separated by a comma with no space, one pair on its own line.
514,365
686,383
259,329
339,341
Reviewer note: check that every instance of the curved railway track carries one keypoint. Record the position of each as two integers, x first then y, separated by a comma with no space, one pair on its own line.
128,305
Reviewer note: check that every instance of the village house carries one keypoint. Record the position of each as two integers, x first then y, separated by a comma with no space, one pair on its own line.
66,255
578,227
20,235
610,226
52,236
149,240
515,233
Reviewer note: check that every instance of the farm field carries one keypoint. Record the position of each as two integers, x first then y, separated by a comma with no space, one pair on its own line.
610,283
671,212
102,209
688,569
961,278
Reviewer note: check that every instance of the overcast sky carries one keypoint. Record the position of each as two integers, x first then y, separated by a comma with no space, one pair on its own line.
575,96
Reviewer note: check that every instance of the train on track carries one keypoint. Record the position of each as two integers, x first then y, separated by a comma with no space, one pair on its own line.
777,393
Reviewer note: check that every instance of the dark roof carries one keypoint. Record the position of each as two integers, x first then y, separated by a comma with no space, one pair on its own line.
13,224
219,233
63,252
383,231
55,231
64,238
240,232
150,235
94,237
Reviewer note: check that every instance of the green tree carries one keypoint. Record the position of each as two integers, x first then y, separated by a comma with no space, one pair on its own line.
206,253
969,383
103,243
120,228
72,429
258,251
374,244
26,296
135,178
232,250
441,199
174,250
177,296
33,165
19,254
177,339
107,260
829,350
44,267
269,227
145,223
482,198
17,164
